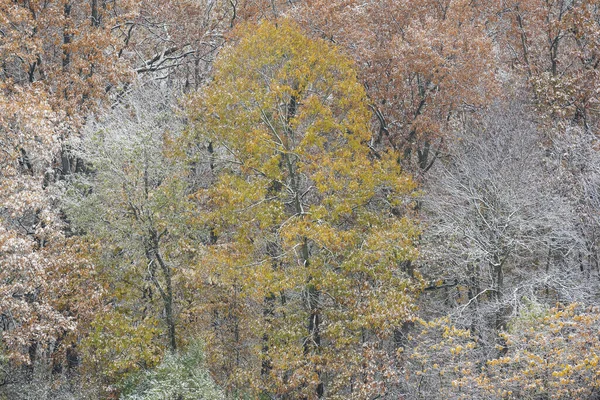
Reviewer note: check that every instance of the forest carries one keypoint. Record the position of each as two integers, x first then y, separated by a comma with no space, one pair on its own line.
299,199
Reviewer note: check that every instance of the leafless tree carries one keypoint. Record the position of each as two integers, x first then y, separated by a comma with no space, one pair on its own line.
500,231
579,171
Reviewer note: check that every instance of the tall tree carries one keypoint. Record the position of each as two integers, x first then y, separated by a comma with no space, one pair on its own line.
499,229
57,61
310,223
131,199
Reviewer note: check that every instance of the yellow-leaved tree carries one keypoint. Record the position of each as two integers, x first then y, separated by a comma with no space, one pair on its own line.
311,229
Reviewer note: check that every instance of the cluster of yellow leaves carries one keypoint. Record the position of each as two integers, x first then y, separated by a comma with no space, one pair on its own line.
438,360
115,347
550,354
307,219
554,355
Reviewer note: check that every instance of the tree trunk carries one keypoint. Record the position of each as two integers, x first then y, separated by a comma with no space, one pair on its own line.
167,297
66,38
498,286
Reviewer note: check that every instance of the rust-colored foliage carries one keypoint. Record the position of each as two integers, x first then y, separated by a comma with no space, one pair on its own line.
422,63
555,45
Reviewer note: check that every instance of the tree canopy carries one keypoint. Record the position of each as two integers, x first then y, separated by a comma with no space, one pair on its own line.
302,199
311,225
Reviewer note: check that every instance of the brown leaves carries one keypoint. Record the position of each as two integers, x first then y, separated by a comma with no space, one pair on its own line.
422,63
56,67
555,45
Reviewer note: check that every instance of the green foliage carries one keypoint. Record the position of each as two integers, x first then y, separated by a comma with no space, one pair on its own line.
530,313
181,376
118,346
129,200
